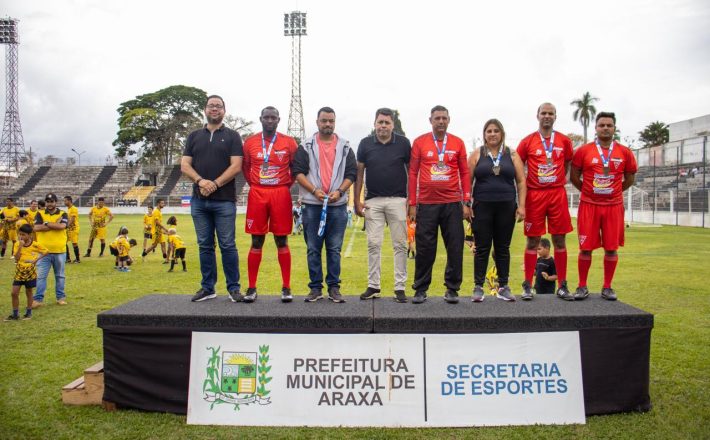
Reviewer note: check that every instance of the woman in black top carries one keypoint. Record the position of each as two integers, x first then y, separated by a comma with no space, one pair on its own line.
498,177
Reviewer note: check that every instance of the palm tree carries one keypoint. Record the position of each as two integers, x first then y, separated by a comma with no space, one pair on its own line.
584,111
655,133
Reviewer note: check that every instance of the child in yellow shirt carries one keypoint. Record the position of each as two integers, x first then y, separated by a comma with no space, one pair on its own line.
26,253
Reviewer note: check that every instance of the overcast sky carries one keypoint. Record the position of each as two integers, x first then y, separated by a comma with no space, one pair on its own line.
644,60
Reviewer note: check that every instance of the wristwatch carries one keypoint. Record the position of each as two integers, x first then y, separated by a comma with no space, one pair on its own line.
467,204
341,192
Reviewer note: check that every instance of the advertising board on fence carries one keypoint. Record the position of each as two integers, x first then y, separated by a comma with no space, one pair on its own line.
387,380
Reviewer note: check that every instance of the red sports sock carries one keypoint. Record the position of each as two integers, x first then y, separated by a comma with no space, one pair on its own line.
284,254
253,262
561,265
609,269
584,262
530,259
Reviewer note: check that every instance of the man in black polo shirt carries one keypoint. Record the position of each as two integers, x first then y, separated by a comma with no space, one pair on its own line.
212,158
385,157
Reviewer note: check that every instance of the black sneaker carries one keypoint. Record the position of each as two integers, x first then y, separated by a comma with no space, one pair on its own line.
581,293
314,295
400,296
505,294
236,296
478,294
419,297
370,293
608,294
26,316
12,318
334,295
286,295
250,297
451,296
564,293
202,295
527,291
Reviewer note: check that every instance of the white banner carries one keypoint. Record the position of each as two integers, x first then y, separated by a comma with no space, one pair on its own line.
386,380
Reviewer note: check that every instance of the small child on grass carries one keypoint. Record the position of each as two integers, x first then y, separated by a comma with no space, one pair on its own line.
26,253
176,249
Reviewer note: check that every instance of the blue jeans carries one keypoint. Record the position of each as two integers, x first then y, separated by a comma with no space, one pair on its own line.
333,237
210,216
56,261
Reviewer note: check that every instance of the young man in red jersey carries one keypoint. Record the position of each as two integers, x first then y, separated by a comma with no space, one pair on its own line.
602,170
267,168
547,154
439,196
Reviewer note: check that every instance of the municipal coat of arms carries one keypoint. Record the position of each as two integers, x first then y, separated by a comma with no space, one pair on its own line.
237,377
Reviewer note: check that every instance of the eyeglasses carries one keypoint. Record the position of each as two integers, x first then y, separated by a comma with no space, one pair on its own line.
215,106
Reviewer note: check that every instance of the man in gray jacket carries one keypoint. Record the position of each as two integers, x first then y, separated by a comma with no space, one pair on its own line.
324,168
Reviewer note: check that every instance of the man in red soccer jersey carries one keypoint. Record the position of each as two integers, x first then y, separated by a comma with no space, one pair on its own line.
267,169
602,170
439,196
547,154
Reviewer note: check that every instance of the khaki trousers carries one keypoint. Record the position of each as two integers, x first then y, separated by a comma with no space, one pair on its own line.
393,212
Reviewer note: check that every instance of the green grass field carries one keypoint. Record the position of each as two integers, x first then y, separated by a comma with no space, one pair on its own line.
663,270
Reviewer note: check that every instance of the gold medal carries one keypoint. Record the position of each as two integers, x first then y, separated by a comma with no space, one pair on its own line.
265,167
496,170
606,170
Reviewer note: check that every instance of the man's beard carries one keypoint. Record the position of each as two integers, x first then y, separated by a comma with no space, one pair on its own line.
214,121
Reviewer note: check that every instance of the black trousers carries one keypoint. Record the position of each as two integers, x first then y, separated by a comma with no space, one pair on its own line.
448,216
493,222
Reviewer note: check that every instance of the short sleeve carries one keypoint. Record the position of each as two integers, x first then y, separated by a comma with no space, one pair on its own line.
64,219
631,166
578,158
38,219
361,155
189,145
407,151
237,148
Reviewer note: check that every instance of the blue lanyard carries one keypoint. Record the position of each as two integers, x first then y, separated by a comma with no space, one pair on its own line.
548,149
496,161
266,152
441,152
605,160
323,215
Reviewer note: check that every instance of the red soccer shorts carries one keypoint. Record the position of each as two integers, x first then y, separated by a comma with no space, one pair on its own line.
269,210
600,226
547,203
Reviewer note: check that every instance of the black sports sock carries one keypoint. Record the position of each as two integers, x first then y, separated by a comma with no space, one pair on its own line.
2,252
76,252
165,256
103,246
172,264
144,253
184,265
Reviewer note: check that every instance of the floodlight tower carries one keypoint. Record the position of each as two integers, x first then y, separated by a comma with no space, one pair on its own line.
295,27
12,146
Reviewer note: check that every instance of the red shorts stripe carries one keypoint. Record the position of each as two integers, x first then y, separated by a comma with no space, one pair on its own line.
550,204
269,210
600,226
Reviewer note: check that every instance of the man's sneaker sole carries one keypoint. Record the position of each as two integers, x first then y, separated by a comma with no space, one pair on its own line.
204,298
504,298
310,300
287,299
336,300
373,296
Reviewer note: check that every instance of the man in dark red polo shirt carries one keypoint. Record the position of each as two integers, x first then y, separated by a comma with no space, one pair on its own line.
439,196
601,170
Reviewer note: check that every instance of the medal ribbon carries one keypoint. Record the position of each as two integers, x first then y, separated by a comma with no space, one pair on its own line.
441,152
266,152
496,161
605,160
323,217
548,150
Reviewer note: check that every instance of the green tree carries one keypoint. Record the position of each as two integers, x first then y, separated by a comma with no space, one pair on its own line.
397,125
240,125
154,126
655,133
584,111
576,139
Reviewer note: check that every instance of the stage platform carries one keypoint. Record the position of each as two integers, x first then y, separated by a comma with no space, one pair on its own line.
147,341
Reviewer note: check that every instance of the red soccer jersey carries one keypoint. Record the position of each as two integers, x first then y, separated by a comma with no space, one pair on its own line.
446,183
540,174
597,187
280,158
